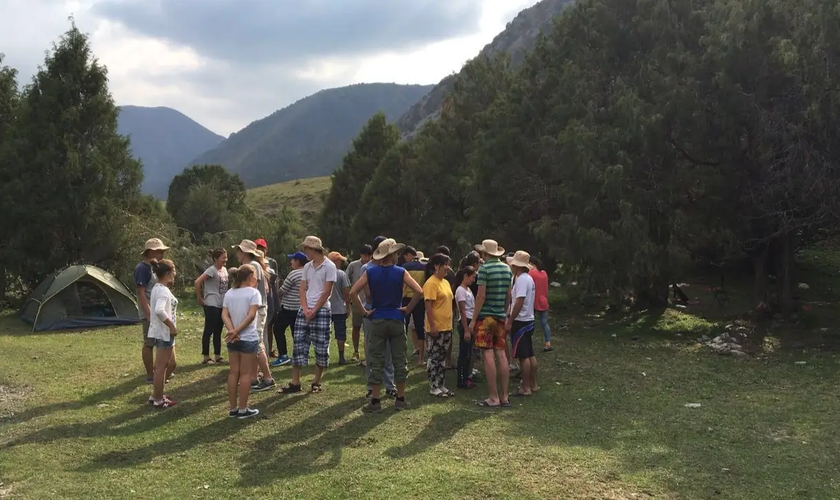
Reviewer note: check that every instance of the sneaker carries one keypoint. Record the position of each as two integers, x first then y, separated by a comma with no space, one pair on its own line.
233,413
282,360
391,394
401,405
372,407
264,385
255,383
164,405
342,362
247,413
475,371
368,395
150,380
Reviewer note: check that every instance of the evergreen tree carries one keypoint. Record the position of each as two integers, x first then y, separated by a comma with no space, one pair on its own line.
349,181
207,199
74,175
9,99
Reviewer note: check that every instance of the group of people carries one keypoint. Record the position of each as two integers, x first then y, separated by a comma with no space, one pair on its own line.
391,291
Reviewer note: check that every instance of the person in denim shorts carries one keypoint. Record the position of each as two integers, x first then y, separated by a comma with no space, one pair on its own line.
239,314
162,330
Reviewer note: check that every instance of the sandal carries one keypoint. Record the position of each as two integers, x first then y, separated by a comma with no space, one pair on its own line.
484,404
207,361
289,389
316,388
547,349
506,405
221,361
446,394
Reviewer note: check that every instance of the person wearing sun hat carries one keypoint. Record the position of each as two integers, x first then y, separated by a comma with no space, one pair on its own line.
415,322
272,299
312,328
144,280
340,304
488,325
520,322
385,286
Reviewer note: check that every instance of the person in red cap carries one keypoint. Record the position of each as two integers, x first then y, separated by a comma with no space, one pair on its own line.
273,305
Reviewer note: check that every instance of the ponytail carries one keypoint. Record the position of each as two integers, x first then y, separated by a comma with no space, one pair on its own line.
162,267
242,274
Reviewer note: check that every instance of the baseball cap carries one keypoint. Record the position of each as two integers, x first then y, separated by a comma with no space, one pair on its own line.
298,256
377,241
261,243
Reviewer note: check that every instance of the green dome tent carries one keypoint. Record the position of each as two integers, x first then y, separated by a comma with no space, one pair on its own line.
80,297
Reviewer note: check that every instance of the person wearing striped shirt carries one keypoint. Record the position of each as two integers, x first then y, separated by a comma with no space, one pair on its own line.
289,293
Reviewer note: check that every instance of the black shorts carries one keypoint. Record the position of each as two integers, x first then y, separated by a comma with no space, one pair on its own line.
522,335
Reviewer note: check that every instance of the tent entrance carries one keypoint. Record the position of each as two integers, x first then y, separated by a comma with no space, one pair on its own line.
93,300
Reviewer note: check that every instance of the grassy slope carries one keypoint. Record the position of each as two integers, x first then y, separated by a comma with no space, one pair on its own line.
304,195
610,422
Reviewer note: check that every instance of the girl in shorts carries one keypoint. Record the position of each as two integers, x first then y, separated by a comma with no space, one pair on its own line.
163,306
466,305
239,313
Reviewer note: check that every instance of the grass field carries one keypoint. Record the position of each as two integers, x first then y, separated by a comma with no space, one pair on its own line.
610,422
304,195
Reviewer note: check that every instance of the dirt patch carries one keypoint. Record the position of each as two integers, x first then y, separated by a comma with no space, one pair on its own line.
11,399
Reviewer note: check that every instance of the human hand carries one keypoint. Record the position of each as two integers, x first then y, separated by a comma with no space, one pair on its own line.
173,331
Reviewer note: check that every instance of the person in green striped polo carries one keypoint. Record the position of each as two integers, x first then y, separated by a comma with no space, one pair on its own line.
488,325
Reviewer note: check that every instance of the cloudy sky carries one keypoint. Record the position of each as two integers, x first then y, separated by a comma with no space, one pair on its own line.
226,63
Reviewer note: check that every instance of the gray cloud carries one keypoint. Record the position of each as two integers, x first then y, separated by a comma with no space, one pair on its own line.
261,31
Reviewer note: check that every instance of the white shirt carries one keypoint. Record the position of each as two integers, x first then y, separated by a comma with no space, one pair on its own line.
238,302
163,306
523,286
316,279
465,295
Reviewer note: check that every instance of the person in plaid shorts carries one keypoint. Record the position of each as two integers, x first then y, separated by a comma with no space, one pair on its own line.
313,321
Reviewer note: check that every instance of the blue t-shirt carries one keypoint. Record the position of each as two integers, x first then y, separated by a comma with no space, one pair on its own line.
386,287
143,276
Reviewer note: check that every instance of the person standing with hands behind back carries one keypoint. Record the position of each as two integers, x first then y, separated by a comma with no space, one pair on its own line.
437,292
241,306
162,329
210,290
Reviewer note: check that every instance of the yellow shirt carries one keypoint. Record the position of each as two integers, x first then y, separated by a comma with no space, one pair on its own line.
439,293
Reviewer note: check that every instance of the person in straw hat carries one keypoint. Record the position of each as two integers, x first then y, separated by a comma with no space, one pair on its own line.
248,253
312,328
520,322
340,304
144,280
385,283
488,325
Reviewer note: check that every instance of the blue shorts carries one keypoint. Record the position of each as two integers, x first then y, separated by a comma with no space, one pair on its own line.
163,344
244,346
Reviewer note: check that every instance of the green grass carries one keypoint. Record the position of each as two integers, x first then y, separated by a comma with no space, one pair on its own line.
609,423
303,195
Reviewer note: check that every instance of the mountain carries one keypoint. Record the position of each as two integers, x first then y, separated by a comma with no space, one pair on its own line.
310,137
517,40
165,140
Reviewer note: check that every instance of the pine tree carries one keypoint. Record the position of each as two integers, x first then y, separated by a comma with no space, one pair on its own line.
9,99
75,175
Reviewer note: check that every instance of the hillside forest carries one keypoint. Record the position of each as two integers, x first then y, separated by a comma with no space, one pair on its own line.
634,143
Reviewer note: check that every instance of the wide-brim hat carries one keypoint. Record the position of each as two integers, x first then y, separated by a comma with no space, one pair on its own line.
247,246
154,244
312,242
490,247
422,257
521,259
386,248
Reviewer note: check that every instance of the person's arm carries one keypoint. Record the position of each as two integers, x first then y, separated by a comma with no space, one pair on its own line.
479,303
228,324
430,315
160,312
302,297
346,294
517,307
199,282
356,288
325,296
144,301
252,314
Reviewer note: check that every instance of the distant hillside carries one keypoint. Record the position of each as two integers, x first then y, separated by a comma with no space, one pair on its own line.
517,39
165,140
306,196
308,138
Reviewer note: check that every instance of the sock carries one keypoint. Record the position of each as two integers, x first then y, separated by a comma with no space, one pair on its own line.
401,399
374,401
241,411
235,409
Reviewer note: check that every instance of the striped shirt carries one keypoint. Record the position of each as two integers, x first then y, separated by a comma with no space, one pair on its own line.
291,290
496,277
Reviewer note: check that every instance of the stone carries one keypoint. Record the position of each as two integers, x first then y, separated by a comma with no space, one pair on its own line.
554,284
738,354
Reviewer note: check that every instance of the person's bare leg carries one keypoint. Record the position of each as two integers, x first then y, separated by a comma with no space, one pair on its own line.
262,363
295,375
490,375
319,371
160,373
248,362
374,390
504,376
149,360
234,375
525,370
533,374
400,390
170,367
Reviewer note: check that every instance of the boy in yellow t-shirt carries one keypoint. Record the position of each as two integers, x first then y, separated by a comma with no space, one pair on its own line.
437,294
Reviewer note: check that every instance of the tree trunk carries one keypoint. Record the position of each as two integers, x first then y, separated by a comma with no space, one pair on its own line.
760,280
786,275
2,283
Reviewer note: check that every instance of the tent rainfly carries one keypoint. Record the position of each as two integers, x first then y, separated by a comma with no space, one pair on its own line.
80,296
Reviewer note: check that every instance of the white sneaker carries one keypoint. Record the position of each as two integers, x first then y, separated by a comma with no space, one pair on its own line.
514,367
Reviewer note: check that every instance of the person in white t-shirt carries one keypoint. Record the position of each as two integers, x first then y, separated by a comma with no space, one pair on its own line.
312,327
162,330
240,308
466,307
520,323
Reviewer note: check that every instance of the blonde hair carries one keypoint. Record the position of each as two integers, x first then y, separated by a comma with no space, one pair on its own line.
241,274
